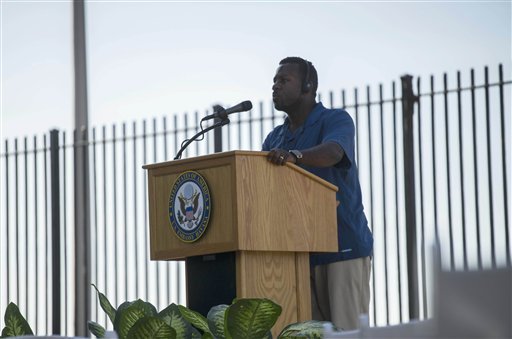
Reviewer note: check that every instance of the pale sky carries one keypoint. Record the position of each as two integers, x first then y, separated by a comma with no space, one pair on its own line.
150,59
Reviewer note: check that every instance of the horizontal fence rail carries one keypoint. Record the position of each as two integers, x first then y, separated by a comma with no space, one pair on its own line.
460,143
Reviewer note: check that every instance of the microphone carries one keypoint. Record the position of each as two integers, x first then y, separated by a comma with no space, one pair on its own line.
222,113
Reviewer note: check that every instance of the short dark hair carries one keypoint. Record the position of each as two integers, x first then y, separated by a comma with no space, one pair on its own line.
303,69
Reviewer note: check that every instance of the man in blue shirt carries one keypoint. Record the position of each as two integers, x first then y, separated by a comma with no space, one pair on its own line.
321,141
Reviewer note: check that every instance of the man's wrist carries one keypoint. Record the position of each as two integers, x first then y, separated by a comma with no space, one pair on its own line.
296,154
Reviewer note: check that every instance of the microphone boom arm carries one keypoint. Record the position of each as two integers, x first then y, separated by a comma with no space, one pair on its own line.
198,134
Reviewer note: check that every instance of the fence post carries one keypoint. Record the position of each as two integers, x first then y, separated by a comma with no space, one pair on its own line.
55,205
217,138
408,100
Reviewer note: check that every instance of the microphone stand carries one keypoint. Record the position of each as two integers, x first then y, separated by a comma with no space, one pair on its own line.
198,134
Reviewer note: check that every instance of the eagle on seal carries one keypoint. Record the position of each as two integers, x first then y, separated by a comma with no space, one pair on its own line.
189,207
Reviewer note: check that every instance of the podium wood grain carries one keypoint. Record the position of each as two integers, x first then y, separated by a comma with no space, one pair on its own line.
280,276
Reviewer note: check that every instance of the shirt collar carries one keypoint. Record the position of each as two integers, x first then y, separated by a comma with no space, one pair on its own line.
312,117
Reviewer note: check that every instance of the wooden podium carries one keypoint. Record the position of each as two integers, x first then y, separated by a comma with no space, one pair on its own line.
265,218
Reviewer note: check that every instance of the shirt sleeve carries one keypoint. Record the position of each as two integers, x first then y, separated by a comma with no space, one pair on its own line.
339,128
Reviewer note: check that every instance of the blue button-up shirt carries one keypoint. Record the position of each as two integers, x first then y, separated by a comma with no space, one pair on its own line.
322,125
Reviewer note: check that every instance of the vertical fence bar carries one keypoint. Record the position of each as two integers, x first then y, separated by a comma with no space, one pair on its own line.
408,100
261,124
217,138
145,248
385,232
7,243
461,162
489,163
208,139
475,162
16,202
448,185
239,124
185,132
27,276
48,234
114,210
135,211
175,133
372,202
196,130
504,163
55,203
395,150
64,231
229,129
105,235
36,232
95,217
433,137
125,216
422,210
250,130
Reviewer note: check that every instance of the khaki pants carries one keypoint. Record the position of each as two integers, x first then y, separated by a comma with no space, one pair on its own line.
340,292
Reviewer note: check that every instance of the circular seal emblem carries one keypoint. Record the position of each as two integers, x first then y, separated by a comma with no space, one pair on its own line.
189,206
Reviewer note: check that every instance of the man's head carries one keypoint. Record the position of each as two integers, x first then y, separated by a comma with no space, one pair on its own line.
295,82
307,72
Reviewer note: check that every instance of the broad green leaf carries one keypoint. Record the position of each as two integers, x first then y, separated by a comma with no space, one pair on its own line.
15,323
306,329
251,318
172,317
123,306
96,329
207,335
216,321
195,318
120,310
106,305
151,327
129,314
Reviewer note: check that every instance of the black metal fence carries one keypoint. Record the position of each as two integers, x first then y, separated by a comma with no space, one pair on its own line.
433,165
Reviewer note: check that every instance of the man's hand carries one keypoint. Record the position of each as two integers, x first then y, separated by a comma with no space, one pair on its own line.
280,157
323,155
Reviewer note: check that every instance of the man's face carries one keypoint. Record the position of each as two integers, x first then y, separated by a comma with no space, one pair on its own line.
287,88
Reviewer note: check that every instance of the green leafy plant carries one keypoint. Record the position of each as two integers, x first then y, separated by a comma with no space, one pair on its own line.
15,323
244,318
